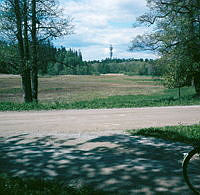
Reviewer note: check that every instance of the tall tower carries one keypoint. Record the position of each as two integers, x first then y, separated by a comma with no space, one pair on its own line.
111,51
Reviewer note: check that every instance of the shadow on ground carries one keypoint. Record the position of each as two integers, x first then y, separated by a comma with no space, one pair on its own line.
119,163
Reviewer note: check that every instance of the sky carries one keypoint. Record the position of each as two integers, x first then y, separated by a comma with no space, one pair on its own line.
101,23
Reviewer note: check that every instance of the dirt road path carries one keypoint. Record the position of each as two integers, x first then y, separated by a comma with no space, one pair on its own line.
90,147
78,121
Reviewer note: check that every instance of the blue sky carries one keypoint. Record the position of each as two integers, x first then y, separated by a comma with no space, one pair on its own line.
100,23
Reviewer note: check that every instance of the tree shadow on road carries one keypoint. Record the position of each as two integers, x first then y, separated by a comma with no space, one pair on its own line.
118,163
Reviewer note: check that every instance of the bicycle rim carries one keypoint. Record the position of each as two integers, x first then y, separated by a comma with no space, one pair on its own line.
191,170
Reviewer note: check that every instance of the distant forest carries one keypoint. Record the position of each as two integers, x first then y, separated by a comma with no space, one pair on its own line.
62,61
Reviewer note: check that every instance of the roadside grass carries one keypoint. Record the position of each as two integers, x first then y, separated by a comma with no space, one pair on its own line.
168,98
126,101
23,186
185,134
93,92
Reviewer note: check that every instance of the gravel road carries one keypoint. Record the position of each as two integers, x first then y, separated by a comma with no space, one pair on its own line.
82,121
91,147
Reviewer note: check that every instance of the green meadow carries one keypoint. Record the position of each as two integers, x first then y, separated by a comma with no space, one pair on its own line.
89,92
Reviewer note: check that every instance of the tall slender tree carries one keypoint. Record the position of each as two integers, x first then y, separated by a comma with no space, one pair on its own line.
23,47
34,52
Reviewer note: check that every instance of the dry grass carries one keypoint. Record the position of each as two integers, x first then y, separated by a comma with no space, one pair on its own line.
70,88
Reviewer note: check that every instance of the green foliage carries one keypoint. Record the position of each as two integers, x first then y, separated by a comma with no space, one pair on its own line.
23,186
185,134
59,61
46,55
128,66
169,98
9,62
176,37
51,60
68,62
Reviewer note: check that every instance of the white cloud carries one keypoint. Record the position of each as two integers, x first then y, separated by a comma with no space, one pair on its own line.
99,23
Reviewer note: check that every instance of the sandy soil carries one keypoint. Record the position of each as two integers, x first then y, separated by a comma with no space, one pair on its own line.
96,121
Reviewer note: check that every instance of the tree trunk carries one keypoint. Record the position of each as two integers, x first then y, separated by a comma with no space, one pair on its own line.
35,84
34,54
26,41
26,85
197,83
179,93
193,48
25,71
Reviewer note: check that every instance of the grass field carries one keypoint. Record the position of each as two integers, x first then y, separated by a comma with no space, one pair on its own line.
104,91
185,134
78,88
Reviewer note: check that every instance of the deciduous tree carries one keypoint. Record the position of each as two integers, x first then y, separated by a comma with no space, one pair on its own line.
176,37
29,23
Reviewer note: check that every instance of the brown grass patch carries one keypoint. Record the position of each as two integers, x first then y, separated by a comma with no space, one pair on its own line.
70,88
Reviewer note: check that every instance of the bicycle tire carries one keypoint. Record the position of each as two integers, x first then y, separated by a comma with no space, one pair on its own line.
191,170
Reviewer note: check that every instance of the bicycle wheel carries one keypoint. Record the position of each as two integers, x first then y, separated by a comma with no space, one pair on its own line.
191,170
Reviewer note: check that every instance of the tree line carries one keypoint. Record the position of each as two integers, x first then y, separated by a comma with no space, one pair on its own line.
62,61
67,62
51,60
128,66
